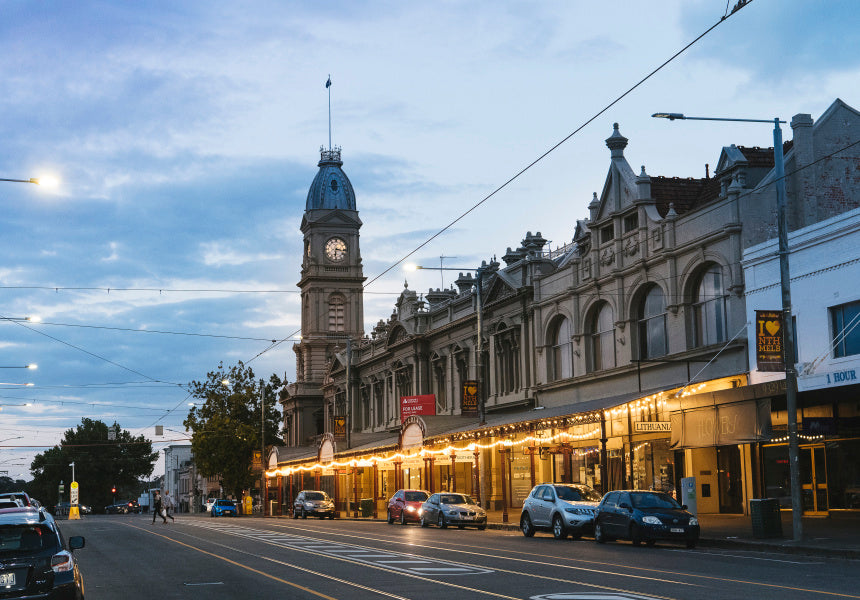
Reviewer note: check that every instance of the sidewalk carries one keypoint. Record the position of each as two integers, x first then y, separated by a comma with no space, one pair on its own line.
836,536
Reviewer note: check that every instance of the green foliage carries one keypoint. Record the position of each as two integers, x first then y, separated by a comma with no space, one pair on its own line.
99,465
226,424
7,484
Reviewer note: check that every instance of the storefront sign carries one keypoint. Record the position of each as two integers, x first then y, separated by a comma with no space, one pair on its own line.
652,426
413,463
722,425
326,449
469,401
826,380
417,405
463,457
385,465
412,432
768,340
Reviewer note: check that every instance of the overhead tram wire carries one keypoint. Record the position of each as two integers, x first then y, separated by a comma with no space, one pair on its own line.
741,4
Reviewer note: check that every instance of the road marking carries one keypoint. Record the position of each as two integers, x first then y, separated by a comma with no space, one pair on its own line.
398,561
509,557
590,596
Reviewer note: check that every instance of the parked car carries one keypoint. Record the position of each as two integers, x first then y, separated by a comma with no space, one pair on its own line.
562,508
224,508
10,503
22,496
313,502
405,504
644,516
207,506
452,509
36,561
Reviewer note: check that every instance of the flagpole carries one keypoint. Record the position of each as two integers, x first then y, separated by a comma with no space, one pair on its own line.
328,87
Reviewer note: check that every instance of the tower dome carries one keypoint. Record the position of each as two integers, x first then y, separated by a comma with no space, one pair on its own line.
331,187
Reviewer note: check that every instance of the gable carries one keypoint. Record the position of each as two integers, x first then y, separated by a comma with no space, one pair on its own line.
500,289
619,190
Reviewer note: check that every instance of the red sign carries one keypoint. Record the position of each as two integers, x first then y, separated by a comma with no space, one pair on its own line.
417,405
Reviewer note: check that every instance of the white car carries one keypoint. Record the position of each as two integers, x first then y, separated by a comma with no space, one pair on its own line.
207,506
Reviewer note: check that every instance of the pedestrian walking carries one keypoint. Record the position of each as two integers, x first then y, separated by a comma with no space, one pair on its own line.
157,508
169,505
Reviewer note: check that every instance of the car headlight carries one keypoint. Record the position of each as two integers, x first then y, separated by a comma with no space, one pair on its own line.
452,512
420,511
309,504
410,509
694,521
651,520
587,512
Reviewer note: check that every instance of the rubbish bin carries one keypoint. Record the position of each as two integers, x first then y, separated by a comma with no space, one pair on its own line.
766,518
366,507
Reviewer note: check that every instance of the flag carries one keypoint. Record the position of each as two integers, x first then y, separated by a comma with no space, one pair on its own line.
328,82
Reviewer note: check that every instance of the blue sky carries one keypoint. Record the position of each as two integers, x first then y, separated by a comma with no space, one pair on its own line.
185,136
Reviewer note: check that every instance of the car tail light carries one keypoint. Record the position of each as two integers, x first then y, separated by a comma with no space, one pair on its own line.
62,561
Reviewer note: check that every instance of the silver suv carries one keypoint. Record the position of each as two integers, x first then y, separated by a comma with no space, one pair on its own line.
563,508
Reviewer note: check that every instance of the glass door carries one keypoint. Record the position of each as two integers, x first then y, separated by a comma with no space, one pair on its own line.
813,477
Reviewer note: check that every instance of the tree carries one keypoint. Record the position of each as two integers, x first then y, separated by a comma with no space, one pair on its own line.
226,424
100,464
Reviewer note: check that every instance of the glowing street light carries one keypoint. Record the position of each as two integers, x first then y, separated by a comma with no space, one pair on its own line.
48,181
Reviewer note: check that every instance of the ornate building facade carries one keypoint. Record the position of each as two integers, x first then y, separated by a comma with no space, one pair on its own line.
616,360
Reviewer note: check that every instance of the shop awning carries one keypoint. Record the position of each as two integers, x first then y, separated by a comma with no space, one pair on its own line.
743,422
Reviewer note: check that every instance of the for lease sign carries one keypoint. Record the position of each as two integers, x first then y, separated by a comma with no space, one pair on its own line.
417,405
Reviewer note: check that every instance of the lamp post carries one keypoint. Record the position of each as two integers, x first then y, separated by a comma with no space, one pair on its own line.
43,181
788,328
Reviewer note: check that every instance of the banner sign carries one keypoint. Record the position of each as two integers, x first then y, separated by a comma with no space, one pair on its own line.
768,340
417,405
469,402
338,427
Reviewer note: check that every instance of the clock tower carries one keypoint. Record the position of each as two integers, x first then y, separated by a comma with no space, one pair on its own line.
331,292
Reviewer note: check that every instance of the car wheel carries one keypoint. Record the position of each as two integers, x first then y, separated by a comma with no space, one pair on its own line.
212,514
295,513
442,522
461,526
331,517
526,526
558,530
599,537
424,522
691,544
650,543
304,514
635,534
403,517
390,517
482,527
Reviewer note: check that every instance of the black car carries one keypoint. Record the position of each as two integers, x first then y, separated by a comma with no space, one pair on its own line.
644,516
34,559
118,508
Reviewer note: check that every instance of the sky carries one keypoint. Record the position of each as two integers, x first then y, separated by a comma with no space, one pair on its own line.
185,136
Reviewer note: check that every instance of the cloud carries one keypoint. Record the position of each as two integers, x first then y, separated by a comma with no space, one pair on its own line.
219,254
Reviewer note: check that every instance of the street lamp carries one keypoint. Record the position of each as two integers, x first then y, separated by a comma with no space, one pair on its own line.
31,366
785,285
479,272
47,181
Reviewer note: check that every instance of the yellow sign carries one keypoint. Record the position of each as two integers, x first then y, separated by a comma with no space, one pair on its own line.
74,513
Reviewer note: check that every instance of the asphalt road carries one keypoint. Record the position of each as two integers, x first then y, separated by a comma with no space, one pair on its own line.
127,557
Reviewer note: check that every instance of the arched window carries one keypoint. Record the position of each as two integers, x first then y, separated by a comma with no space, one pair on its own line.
336,311
603,339
560,361
709,308
652,324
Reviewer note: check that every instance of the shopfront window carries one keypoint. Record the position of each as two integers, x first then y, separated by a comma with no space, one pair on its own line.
654,466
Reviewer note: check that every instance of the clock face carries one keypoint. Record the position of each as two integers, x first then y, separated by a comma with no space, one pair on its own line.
335,249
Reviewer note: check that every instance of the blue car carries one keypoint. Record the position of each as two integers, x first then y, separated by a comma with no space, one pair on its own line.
224,508
644,516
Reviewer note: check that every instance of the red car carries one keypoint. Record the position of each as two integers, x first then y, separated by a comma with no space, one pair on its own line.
404,506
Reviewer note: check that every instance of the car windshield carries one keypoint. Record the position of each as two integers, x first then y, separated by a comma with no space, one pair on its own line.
415,496
455,499
315,496
15,539
653,500
575,494
224,503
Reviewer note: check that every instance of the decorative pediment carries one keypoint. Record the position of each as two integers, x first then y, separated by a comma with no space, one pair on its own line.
331,217
397,334
499,290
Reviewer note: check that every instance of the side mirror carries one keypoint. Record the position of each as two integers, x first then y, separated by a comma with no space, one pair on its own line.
625,505
76,542
684,506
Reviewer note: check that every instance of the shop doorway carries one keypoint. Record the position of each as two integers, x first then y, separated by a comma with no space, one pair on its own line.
813,479
729,483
